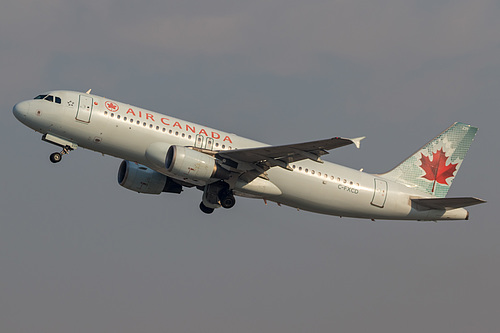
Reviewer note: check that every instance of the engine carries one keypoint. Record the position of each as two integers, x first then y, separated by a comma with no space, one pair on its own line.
138,178
188,163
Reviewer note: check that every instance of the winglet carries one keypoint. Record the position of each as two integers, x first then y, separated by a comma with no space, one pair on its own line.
357,141
88,91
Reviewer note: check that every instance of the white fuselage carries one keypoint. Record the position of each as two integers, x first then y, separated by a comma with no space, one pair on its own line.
126,132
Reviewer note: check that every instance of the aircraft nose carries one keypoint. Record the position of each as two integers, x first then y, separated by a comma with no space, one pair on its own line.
21,110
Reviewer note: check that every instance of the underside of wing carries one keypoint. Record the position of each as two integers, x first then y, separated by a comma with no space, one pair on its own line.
447,203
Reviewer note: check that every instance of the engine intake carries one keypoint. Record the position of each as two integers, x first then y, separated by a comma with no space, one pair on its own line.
141,179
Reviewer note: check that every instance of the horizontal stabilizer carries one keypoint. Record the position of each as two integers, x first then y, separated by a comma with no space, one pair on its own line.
447,203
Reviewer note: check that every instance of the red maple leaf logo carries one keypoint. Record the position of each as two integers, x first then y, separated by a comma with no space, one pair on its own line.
437,170
111,106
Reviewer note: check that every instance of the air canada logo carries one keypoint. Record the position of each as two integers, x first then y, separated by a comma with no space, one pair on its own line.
113,107
437,170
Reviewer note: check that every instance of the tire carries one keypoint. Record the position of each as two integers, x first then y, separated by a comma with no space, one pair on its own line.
55,157
205,209
228,201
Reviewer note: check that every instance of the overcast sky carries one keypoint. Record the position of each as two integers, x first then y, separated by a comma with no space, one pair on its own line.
78,253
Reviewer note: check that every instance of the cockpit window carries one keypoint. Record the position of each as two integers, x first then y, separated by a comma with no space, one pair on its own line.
49,98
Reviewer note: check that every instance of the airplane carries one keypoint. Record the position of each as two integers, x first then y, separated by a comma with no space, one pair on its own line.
162,153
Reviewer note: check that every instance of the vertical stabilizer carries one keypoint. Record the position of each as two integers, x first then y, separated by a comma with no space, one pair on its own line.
433,168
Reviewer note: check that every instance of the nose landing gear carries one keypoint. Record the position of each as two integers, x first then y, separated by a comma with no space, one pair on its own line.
57,157
66,146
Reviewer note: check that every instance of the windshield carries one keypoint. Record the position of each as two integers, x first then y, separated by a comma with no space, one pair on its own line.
49,98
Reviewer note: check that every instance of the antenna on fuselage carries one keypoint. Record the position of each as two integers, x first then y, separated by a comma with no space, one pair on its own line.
88,91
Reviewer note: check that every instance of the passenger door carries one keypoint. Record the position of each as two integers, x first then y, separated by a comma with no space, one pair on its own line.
380,193
84,111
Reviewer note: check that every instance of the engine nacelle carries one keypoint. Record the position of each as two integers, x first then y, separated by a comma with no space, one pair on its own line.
189,163
138,178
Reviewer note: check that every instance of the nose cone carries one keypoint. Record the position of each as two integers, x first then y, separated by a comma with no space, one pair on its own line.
21,110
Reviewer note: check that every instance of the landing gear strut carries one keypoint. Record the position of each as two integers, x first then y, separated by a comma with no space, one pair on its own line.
57,157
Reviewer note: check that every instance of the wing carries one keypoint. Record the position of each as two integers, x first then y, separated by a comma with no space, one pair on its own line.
270,156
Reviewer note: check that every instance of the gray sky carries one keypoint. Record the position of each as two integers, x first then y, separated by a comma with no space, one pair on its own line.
78,253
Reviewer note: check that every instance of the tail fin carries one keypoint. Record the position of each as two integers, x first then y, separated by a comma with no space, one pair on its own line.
434,166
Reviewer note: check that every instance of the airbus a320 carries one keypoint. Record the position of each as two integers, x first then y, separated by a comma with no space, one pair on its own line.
162,153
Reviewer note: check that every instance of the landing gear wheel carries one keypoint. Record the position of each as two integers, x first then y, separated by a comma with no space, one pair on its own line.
226,198
205,209
55,157
228,201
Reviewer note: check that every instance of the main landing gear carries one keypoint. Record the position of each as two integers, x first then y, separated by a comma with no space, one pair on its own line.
216,195
205,209
57,157
226,198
